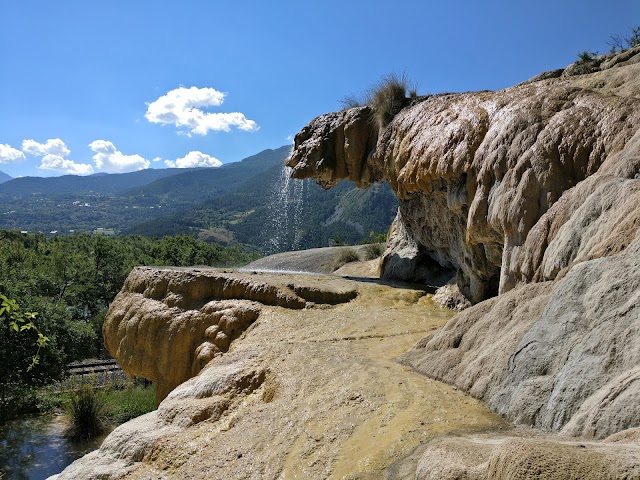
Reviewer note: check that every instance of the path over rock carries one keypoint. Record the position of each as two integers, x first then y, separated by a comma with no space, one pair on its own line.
302,393
308,393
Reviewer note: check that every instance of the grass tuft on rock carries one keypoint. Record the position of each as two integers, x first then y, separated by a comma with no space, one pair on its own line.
345,256
386,98
373,250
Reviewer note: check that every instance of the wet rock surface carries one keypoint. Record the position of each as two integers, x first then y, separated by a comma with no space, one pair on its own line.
559,355
303,393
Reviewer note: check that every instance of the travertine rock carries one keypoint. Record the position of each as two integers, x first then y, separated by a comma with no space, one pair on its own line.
519,457
309,393
532,193
558,355
167,324
477,172
140,441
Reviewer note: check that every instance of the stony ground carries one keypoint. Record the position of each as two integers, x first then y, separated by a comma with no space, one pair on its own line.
332,402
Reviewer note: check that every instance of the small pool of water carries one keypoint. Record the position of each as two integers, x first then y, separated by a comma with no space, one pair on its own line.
35,448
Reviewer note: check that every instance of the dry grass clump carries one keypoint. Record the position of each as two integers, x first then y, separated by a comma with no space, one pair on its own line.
345,256
386,98
373,250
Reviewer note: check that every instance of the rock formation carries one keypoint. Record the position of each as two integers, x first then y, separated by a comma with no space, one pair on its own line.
558,355
165,325
530,193
480,176
310,392
527,456
316,392
523,201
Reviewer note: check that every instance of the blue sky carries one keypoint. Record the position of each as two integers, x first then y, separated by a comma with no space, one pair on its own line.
114,85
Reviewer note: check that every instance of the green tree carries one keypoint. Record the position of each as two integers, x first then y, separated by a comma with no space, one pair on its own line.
20,344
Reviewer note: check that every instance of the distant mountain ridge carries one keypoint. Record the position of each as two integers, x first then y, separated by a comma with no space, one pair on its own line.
107,183
198,184
4,177
276,215
251,202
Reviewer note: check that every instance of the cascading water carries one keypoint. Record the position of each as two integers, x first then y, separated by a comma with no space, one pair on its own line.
285,213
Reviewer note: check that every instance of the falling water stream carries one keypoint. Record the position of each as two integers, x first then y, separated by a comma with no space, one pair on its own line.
285,212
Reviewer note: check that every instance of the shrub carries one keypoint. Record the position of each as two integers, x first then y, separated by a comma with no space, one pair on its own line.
388,97
87,411
587,62
586,56
633,40
345,256
373,250
618,43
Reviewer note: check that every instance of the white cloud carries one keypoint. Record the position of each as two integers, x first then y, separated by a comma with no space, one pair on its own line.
9,154
54,146
110,160
60,164
182,107
194,159
53,154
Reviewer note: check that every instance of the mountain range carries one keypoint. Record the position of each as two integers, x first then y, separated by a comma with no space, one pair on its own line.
4,177
252,202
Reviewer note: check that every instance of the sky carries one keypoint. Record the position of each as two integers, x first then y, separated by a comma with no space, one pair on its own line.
90,86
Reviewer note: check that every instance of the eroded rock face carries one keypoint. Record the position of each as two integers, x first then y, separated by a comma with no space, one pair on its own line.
309,393
527,197
559,355
167,324
518,456
476,174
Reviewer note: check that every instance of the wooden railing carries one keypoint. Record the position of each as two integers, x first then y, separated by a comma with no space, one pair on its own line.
94,367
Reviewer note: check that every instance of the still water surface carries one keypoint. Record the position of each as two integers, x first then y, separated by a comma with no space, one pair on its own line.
36,447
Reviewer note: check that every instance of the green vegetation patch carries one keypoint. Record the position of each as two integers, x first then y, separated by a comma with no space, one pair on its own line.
94,409
346,255
67,284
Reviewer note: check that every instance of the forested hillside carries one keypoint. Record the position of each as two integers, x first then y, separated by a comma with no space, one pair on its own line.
252,203
70,281
119,201
275,214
